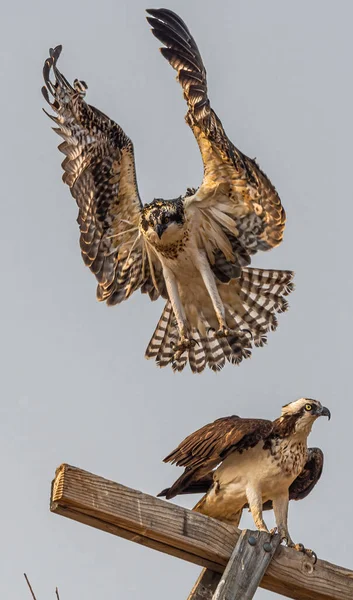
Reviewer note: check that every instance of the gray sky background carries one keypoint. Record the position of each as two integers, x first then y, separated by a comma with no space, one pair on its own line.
76,387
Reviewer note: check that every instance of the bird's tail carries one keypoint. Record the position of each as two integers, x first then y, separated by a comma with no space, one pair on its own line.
187,484
251,303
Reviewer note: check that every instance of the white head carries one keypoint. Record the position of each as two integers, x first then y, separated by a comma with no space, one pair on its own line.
305,411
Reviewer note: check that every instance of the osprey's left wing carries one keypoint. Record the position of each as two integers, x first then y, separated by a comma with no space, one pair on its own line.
241,210
204,449
309,476
99,168
307,479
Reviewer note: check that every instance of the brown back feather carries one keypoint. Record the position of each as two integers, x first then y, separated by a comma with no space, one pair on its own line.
205,448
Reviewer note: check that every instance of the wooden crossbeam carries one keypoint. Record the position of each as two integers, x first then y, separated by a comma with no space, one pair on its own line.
163,526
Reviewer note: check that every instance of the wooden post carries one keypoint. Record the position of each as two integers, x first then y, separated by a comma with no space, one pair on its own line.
247,565
169,528
244,571
205,585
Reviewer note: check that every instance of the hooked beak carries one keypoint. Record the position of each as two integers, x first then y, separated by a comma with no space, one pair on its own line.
325,413
160,230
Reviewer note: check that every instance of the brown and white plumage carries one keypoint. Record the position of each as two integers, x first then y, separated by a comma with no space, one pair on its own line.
99,168
236,197
193,251
251,302
256,463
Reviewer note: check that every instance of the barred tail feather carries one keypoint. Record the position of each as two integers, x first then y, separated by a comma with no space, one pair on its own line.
261,293
161,344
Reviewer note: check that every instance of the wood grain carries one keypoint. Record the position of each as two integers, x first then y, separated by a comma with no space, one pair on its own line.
247,565
205,585
158,524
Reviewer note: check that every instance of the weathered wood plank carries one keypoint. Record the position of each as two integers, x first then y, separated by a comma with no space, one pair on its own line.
248,563
141,518
164,526
205,586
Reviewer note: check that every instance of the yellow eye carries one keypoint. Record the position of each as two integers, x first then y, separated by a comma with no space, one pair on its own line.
166,219
308,407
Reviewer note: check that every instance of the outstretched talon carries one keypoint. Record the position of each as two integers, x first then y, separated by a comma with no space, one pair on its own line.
224,331
183,344
310,553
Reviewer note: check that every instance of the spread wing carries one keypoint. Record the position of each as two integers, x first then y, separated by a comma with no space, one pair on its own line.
99,168
204,449
241,210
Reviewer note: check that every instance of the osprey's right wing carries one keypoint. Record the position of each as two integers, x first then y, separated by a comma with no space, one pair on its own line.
204,449
99,168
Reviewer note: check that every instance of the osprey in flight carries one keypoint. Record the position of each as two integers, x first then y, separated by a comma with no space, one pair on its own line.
240,463
193,250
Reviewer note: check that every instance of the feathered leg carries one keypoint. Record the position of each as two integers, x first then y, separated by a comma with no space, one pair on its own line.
211,286
185,340
280,508
255,504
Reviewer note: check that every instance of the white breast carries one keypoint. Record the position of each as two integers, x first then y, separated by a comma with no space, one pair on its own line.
268,471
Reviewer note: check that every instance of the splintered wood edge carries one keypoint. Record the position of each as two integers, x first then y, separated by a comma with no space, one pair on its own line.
289,572
58,483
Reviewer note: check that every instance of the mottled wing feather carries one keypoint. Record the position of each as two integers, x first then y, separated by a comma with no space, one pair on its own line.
213,442
204,449
235,194
306,480
99,168
310,475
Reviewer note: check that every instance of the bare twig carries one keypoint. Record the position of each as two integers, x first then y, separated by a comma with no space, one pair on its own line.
30,587
32,592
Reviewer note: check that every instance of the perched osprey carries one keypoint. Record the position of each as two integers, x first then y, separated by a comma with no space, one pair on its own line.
253,463
193,250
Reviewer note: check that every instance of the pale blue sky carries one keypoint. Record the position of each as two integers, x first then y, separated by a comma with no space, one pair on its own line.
76,386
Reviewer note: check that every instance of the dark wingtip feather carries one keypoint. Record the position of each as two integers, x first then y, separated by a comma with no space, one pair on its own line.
54,54
161,13
169,17
46,69
45,94
151,21
163,493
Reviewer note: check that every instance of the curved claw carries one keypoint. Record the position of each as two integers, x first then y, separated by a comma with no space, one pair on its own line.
307,551
224,331
183,344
